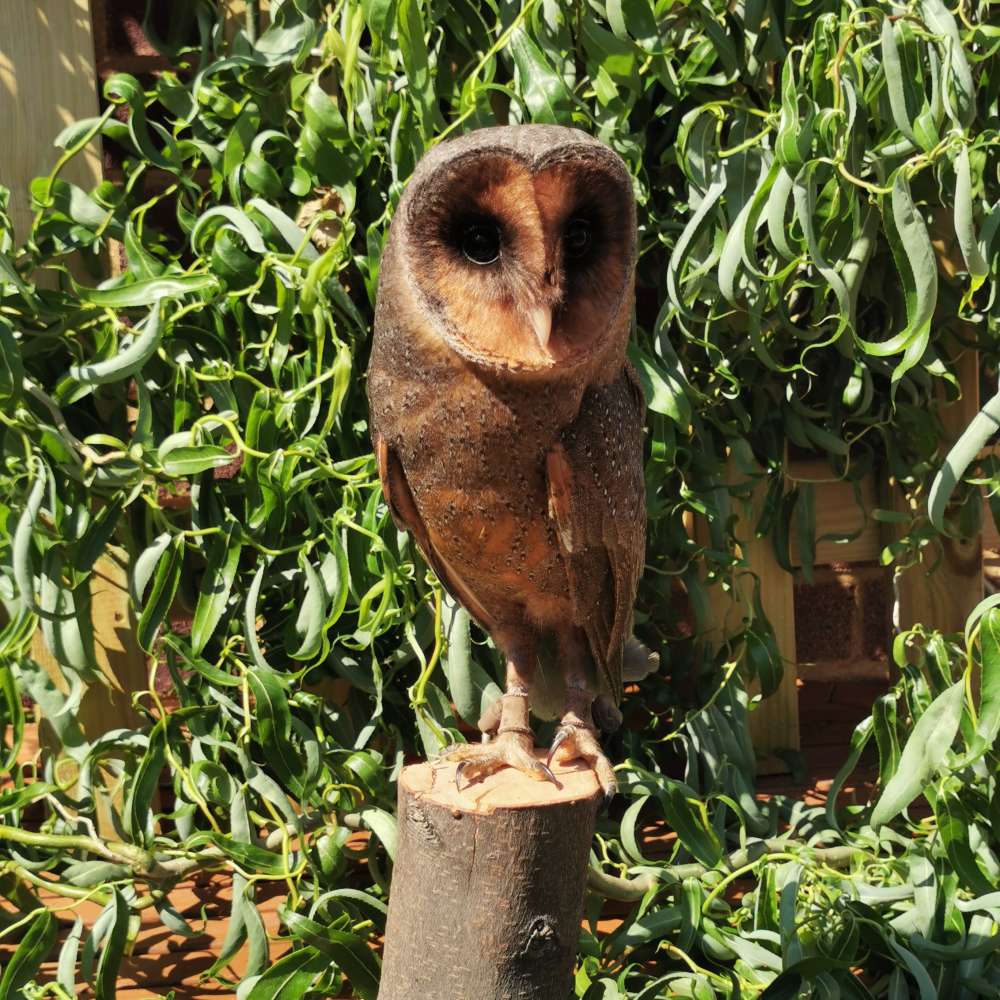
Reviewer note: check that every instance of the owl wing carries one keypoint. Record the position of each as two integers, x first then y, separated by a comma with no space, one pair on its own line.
405,514
597,500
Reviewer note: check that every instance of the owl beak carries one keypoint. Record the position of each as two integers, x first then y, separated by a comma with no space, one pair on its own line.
540,318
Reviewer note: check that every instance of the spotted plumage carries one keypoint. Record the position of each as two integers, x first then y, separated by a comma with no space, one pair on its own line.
507,422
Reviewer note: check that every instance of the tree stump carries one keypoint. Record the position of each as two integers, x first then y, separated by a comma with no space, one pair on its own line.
488,884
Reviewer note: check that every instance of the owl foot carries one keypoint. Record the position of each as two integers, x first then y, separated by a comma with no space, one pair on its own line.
508,749
574,740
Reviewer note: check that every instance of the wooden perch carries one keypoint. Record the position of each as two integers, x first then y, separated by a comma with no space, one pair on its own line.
487,889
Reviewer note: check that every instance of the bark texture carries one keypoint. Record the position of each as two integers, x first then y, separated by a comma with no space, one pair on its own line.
488,885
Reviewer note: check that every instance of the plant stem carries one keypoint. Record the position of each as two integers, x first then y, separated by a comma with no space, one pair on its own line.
630,890
119,853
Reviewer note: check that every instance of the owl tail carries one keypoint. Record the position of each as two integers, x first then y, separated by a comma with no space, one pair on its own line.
638,661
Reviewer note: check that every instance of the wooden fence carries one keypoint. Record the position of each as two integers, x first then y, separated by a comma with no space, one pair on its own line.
53,56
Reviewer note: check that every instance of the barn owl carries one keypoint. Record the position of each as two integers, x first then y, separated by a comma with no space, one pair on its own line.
507,422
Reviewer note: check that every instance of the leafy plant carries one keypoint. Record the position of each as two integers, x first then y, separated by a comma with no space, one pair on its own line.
818,248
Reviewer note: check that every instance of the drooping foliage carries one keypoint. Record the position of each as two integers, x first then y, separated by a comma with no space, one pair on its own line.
818,200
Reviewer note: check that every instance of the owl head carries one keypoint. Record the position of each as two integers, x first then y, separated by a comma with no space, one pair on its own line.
517,247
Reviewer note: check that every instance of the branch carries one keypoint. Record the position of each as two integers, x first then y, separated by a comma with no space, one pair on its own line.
120,853
630,890
145,865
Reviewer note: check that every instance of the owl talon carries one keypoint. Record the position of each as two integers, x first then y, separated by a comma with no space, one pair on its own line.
579,742
560,738
511,749
549,776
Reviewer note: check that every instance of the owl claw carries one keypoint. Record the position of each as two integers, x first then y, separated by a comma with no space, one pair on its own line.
478,760
549,776
560,738
580,742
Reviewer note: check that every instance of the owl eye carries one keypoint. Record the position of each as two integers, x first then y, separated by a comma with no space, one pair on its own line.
481,242
577,238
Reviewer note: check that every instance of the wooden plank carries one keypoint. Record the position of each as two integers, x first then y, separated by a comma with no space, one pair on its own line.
943,598
838,513
838,672
121,661
236,18
991,537
774,725
47,81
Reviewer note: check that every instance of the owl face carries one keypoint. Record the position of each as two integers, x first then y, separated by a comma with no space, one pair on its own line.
520,242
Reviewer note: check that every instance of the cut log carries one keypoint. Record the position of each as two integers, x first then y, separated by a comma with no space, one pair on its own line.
488,884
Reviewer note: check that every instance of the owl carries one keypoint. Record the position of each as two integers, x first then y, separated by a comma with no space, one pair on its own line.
507,422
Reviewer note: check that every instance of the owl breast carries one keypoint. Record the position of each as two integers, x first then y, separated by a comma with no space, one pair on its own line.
473,450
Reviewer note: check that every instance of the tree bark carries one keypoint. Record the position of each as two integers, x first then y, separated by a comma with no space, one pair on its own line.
488,884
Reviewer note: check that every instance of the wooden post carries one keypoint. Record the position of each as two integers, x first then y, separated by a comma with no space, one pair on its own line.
488,884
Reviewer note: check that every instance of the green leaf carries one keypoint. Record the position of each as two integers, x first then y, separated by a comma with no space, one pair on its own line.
471,688
988,724
274,726
22,559
11,367
34,948
66,973
290,977
128,361
925,751
960,91
917,266
113,949
794,139
95,539
895,74
185,461
141,293
139,803
964,229
664,392
310,620
383,825
223,218
216,585
543,89
961,455
252,859
88,874
349,952
686,816
165,579
67,624
414,50
954,822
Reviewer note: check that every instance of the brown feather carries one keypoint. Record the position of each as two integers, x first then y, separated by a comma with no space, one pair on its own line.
597,499
404,512
518,473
